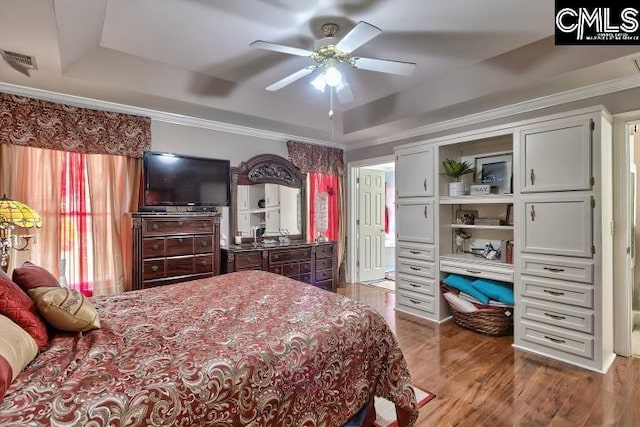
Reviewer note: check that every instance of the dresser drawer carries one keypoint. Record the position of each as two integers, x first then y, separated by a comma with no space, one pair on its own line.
203,263
288,255
557,291
180,266
153,248
485,271
567,317
306,278
179,245
327,285
557,339
286,270
324,251
153,269
415,303
323,264
324,275
174,226
423,252
419,285
202,244
416,267
558,268
248,260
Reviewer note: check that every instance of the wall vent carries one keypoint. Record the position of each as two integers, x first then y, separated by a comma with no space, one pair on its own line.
637,62
26,61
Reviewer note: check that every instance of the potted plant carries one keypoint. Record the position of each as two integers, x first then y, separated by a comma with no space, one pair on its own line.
456,170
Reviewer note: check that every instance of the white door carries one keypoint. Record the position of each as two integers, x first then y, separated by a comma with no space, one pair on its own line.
414,172
272,195
290,209
243,197
414,220
371,225
272,221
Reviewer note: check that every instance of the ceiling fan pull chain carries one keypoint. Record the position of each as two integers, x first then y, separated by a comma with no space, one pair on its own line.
331,89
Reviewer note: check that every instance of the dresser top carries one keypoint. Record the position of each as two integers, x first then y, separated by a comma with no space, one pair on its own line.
260,246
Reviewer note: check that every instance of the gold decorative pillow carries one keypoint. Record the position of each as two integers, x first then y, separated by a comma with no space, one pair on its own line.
17,349
65,309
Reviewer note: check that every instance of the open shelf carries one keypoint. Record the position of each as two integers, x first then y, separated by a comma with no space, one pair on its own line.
483,227
474,200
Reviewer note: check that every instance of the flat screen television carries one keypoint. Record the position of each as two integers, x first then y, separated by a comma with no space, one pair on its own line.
179,180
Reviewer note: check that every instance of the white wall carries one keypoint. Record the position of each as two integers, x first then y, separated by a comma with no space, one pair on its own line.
181,139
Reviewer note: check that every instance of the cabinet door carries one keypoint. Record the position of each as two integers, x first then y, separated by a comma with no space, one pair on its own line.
272,195
243,197
414,220
557,225
272,221
244,223
556,157
414,172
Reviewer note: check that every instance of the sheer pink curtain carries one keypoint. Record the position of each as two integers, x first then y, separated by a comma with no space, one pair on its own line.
318,183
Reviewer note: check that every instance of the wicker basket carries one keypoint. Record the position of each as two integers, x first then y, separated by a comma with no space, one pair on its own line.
494,321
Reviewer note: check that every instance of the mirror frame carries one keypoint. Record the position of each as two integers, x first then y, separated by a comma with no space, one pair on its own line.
270,169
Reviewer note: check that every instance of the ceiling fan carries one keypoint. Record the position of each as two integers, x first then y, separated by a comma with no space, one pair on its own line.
330,51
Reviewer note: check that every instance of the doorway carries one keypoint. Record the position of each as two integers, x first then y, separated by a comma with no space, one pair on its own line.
372,222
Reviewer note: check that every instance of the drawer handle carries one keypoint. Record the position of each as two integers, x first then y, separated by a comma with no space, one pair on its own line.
415,268
555,316
556,293
532,176
276,256
473,271
415,252
203,225
553,269
155,247
154,268
415,301
203,262
533,213
203,244
555,340
155,226
180,223
414,285
425,184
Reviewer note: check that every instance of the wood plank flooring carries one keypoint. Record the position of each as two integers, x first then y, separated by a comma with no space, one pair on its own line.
483,381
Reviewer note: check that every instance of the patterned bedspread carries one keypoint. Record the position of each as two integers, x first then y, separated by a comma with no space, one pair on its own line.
248,348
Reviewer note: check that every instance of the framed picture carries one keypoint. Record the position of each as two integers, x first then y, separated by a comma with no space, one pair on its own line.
466,217
509,217
496,171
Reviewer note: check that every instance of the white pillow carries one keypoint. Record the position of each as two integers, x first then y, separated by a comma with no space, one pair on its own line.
459,303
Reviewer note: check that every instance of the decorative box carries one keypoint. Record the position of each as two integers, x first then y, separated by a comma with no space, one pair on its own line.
479,189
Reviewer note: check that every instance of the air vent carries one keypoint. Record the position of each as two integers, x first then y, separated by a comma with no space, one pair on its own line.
637,62
25,61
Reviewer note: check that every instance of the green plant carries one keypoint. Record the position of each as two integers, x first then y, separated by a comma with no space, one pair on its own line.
456,169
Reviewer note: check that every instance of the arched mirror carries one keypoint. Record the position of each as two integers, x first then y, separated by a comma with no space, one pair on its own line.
267,199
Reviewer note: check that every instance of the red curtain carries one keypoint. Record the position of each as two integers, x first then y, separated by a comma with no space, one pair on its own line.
323,182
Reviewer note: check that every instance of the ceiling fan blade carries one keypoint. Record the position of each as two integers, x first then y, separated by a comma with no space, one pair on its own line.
281,48
359,35
384,65
291,78
344,93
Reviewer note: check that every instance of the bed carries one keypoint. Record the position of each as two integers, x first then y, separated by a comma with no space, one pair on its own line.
246,348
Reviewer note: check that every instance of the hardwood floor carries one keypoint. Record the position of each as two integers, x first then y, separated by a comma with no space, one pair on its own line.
483,381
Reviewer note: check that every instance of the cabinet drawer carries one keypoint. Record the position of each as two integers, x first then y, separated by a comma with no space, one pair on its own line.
179,266
306,278
248,260
416,251
305,267
495,272
557,291
153,269
415,284
324,251
179,245
327,285
153,248
162,227
558,268
324,275
204,263
557,339
203,244
323,264
288,255
416,267
415,303
562,316
286,270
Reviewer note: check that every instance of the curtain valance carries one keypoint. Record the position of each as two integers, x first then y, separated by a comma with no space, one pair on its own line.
37,123
316,158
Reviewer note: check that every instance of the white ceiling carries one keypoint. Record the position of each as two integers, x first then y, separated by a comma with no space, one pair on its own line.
192,57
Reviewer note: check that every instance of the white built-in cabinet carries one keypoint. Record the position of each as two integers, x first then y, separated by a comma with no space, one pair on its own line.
271,207
561,272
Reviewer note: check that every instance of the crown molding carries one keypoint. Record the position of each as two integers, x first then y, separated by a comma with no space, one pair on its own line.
79,101
553,100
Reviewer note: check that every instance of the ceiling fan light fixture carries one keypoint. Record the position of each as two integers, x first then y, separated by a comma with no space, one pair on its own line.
319,83
332,77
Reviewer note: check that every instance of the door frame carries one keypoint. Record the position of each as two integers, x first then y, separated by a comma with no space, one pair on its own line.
622,280
352,209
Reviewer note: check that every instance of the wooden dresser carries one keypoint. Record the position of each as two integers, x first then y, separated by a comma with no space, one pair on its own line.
314,263
174,247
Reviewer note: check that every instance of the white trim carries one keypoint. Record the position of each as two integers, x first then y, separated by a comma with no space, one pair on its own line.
352,210
573,95
79,101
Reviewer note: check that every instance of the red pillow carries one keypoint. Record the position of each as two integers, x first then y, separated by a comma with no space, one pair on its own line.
20,308
31,276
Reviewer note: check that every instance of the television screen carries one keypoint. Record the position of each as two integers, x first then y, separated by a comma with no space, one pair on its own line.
177,180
